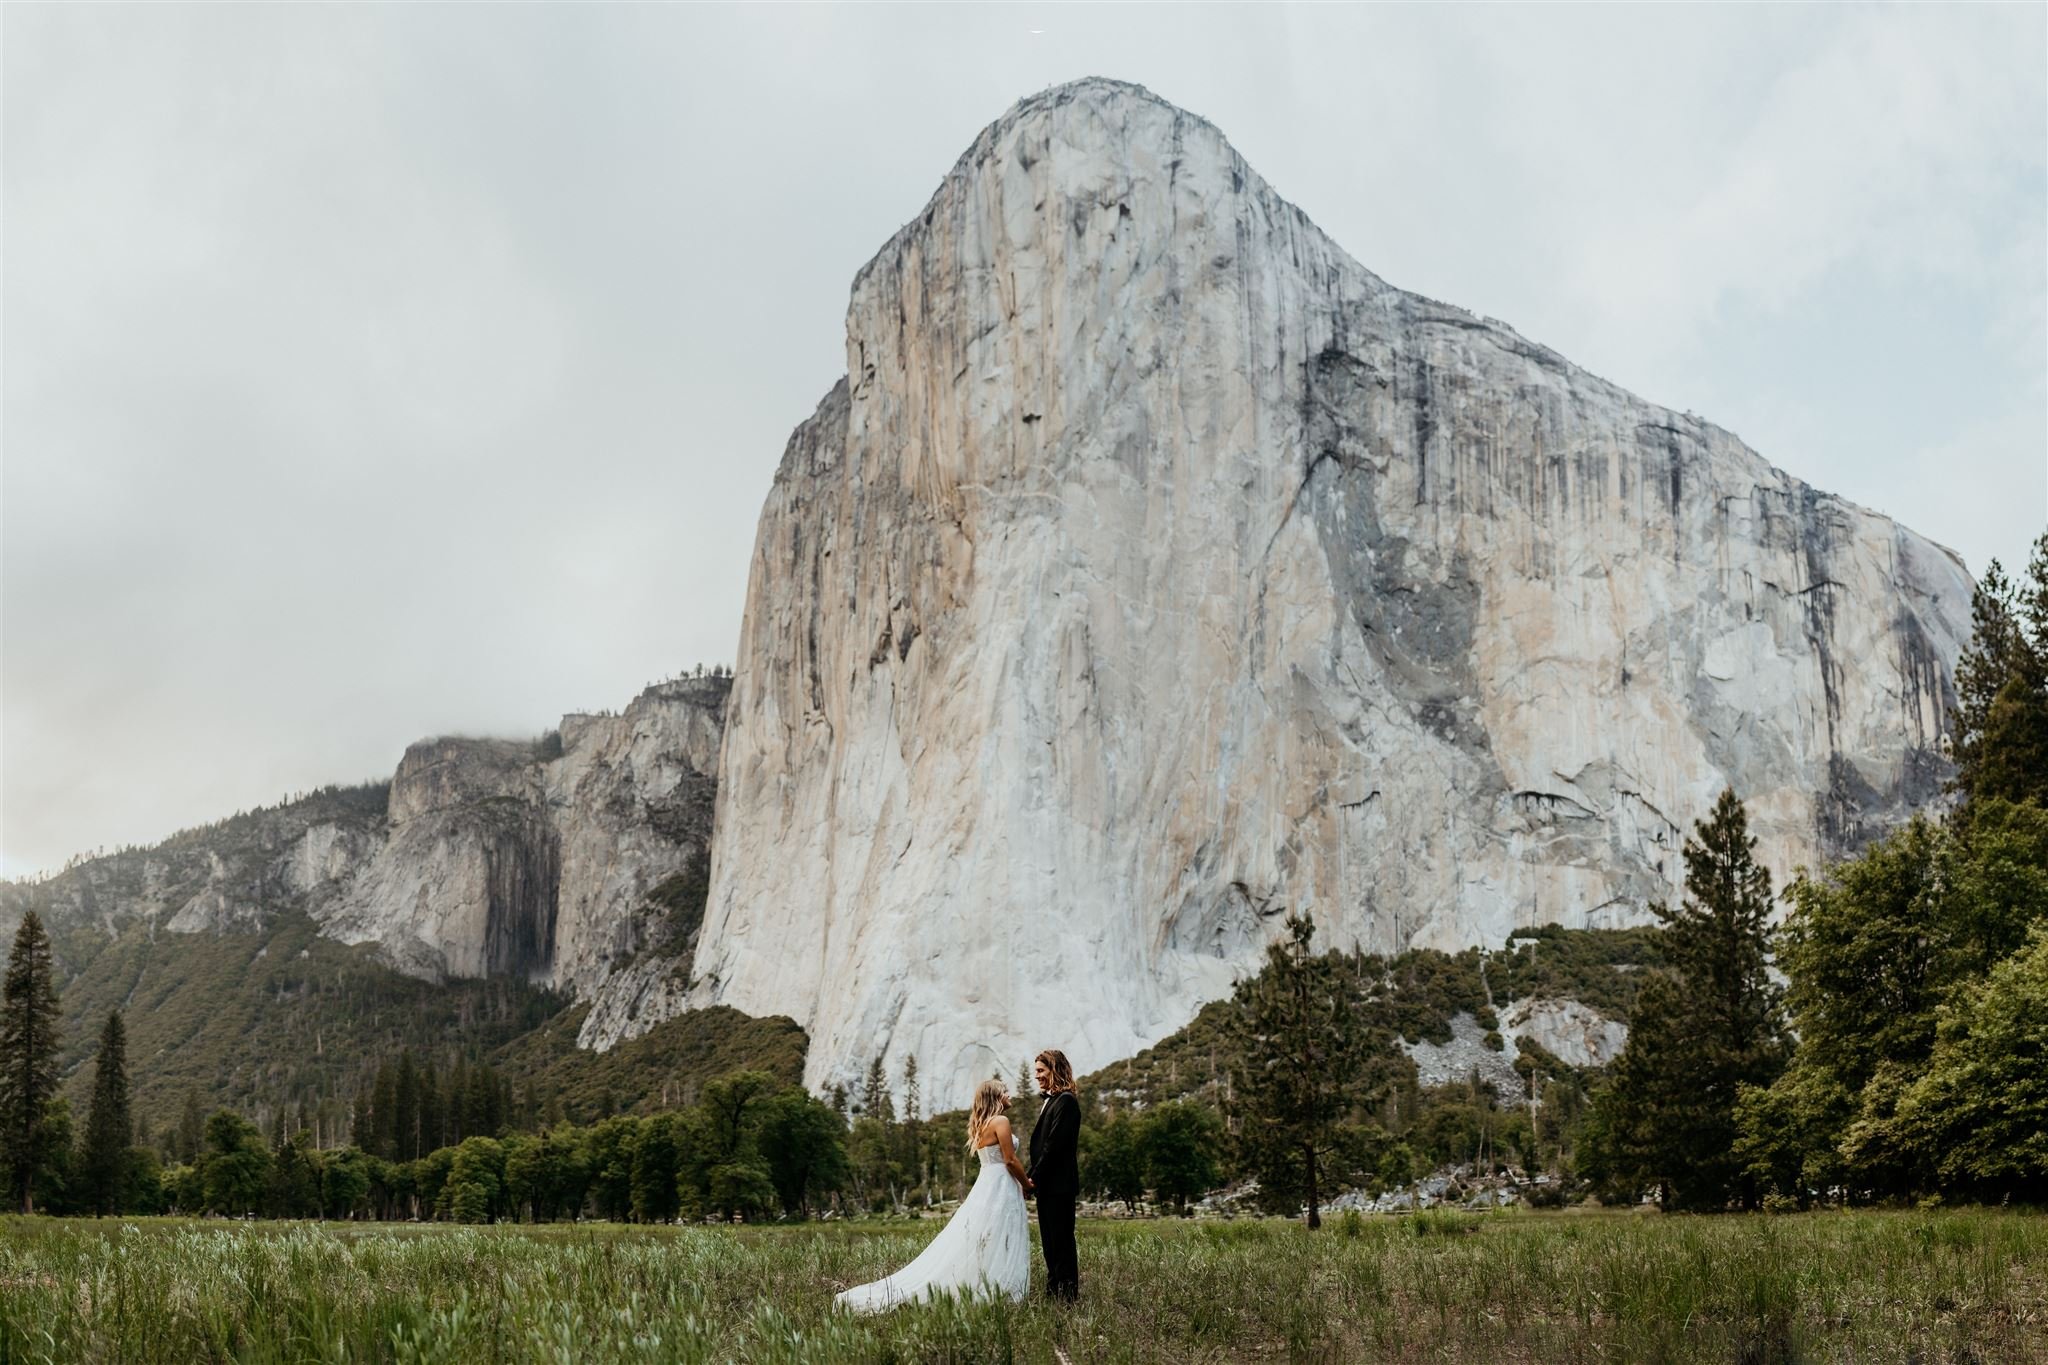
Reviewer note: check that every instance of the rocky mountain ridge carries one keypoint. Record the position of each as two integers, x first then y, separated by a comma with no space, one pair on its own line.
576,862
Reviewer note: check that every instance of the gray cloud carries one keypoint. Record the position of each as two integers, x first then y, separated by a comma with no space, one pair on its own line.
376,372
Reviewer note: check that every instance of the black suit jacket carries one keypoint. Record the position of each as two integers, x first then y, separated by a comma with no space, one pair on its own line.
1055,1146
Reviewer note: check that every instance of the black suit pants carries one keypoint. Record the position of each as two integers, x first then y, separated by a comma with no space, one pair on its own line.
1056,1240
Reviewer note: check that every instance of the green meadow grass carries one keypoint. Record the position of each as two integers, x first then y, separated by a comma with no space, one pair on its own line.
1934,1287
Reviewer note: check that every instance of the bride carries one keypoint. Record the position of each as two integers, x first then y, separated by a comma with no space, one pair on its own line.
985,1246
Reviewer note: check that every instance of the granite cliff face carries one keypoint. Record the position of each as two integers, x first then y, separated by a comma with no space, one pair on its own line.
577,862
1157,568
567,868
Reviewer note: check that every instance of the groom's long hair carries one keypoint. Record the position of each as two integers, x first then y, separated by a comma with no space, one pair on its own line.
1062,1070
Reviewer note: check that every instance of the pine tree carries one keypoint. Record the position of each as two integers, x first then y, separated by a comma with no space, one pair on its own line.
191,1131
913,1134
28,1057
362,1127
2011,761
432,1123
405,1098
478,1102
1302,1047
454,1096
108,1125
1024,1100
876,1102
2001,721
1713,1023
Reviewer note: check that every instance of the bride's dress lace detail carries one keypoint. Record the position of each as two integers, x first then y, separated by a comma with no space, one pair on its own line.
985,1247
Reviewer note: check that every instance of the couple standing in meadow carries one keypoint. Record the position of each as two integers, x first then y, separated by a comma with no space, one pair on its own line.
986,1245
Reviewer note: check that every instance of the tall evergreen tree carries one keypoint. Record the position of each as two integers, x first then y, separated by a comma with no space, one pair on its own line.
405,1120
190,1132
1302,1047
1024,1100
1700,1032
294,1190
456,1102
109,1125
876,1102
28,1057
2000,732
483,1105
2011,760
384,1113
433,1122
912,1136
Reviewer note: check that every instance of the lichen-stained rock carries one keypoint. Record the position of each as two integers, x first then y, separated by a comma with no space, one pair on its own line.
1157,568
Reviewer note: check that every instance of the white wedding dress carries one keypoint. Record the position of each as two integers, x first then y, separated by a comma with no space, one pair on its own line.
985,1247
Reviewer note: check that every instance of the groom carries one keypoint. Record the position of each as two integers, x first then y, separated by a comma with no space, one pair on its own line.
1054,1177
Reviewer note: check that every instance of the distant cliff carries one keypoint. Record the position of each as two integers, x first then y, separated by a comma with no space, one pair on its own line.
577,862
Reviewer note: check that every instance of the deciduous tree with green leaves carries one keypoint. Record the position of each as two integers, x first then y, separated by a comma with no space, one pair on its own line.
1112,1163
234,1170
724,1170
804,1144
1978,1114
657,1157
1181,1143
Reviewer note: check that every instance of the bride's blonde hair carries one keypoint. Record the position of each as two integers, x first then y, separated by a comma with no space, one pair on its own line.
988,1102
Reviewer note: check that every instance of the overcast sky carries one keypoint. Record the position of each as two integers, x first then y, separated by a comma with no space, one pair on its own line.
377,372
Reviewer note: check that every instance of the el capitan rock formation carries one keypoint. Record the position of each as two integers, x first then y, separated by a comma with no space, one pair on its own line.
1156,567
